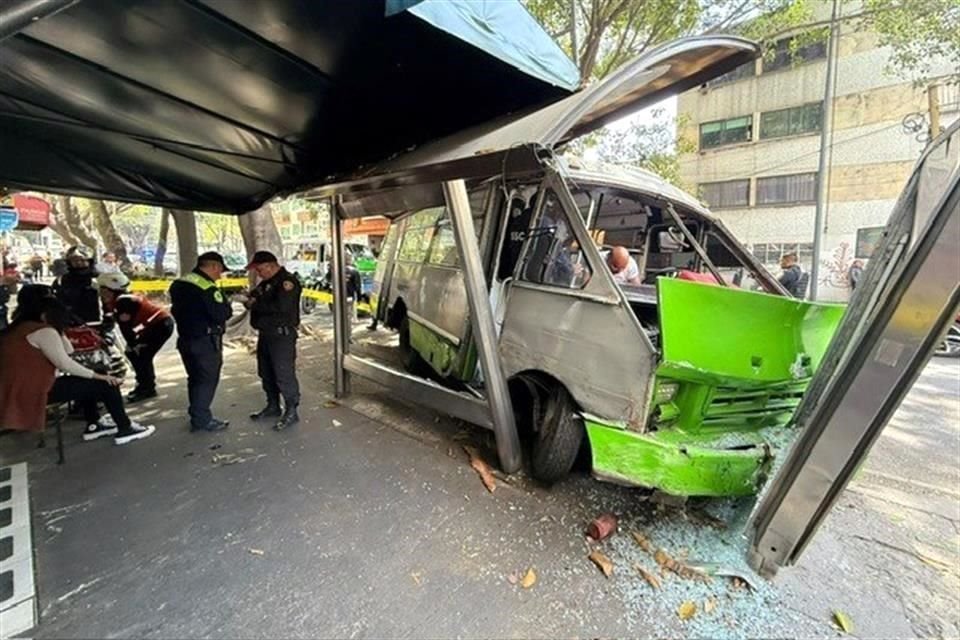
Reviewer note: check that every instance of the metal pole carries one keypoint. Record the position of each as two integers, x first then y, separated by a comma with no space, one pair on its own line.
933,100
341,329
823,168
16,15
484,331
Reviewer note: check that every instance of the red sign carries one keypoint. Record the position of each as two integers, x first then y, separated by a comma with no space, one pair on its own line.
34,212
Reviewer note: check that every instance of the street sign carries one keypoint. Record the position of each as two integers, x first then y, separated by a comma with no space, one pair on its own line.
8,219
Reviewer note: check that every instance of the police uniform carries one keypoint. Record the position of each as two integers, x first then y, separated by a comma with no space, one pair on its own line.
275,314
201,312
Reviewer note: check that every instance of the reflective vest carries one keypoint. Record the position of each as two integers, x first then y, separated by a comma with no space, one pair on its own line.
204,284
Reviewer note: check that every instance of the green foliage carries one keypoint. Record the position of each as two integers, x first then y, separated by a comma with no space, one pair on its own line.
918,31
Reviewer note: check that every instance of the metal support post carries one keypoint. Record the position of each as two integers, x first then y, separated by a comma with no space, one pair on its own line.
916,301
484,331
826,135
342,327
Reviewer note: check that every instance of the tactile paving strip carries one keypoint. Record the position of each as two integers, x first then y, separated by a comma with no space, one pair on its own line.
18,605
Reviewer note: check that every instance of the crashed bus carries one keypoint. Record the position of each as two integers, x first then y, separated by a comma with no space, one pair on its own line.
684,383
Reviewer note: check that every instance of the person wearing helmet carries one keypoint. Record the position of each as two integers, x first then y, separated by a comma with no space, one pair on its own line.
76,288
145,325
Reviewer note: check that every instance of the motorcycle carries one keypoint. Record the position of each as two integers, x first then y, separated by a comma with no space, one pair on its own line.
949,347
315,281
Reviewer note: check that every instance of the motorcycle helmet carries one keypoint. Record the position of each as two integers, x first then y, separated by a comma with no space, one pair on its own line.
113,281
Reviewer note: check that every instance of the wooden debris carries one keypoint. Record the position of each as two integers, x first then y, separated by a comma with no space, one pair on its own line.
651,579
643,541
482,469
603,562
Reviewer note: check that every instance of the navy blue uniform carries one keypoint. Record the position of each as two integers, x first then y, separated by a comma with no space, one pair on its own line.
201,312
275,314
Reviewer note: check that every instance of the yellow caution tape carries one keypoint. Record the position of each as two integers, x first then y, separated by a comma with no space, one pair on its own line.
153,286
325,297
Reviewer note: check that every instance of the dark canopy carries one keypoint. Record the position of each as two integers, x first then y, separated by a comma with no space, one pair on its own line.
218,105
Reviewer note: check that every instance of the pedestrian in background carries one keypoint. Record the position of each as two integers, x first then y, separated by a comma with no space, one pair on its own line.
108,263
793,279
275,313
855,273
201,313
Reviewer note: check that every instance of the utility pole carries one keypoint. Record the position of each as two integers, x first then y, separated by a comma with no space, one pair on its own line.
933,100
823,168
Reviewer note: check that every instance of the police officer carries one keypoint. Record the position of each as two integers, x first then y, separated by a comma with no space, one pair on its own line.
275,313
201,312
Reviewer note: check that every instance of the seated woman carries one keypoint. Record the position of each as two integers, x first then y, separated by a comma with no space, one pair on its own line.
32,349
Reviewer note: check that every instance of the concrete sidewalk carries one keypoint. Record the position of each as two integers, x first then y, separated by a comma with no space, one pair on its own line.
367,521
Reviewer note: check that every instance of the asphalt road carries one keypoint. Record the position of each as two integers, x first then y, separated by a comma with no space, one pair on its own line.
367,521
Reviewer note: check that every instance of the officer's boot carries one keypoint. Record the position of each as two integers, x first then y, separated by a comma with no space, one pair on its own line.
272,410
288,419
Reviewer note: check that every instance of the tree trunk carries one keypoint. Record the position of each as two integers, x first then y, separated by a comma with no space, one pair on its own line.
58,224
186,224
259,233
108,233
161,242
71,218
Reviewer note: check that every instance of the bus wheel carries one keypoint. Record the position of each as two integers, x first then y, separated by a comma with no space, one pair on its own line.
412,361
557,438
307,305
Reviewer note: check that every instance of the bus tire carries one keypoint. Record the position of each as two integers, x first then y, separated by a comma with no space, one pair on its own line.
557,438
307,305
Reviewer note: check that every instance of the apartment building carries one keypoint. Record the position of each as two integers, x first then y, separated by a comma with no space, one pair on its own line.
757,133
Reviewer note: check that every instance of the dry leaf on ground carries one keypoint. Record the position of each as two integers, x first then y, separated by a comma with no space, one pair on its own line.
651,579
417,578
643,541
709,605
843,621
482,469
687,610
529,579
603,562
330,404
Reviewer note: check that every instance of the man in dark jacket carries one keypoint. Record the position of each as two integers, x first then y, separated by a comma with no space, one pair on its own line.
77,288
793,279
275,313
201,312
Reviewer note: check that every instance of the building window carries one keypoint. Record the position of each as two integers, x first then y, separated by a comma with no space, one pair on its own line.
732,193
793,189
721,132
770,254
793,121
743,71
788,51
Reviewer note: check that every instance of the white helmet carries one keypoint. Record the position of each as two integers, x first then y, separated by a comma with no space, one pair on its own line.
113,281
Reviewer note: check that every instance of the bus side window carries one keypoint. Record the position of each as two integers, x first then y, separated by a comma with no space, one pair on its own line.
554,256
518,223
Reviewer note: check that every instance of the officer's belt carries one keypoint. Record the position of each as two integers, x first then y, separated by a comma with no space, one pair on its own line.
280,331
